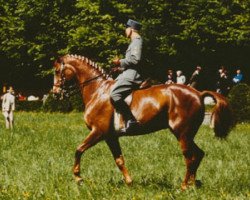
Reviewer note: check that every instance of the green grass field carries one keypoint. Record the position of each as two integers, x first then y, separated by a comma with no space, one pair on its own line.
37,158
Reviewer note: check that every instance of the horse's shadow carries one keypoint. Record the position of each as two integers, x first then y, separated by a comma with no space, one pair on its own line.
146,181
159,183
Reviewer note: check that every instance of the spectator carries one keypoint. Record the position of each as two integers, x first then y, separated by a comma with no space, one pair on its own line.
170,77
223,83
45,97
21,97
195,80
180,79
222,68
4,89
238,77
219,79
8,107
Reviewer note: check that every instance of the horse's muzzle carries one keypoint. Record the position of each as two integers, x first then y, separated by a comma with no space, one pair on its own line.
56,89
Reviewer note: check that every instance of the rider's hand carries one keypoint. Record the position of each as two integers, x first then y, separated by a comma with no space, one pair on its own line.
117,69
116,61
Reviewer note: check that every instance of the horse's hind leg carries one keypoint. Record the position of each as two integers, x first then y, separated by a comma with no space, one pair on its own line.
193,156
115,148
93,138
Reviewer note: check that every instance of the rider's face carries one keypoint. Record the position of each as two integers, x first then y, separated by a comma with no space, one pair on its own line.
128,32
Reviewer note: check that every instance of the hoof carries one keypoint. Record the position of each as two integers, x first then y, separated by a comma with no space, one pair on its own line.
129,182
79,180
196,183
184,186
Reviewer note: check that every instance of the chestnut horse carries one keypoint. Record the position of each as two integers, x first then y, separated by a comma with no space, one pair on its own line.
177,107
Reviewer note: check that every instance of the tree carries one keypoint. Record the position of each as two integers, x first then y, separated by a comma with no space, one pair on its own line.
177,34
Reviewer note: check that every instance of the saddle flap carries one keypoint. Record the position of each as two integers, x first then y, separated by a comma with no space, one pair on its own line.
129,99
119,122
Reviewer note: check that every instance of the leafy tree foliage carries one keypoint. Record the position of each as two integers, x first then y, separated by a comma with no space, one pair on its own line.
177,34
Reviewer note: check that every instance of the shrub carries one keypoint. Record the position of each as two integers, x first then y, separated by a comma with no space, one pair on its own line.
76,102
72,103
239,98
28,105
52,104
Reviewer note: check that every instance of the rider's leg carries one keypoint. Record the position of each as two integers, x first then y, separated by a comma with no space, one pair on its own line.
122,107
118,94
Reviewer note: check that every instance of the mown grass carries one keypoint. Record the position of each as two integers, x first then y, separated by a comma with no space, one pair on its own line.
37,157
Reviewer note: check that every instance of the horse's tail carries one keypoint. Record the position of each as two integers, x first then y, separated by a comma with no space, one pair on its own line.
222,117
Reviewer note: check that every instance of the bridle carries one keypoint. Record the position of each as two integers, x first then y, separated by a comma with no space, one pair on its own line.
62,77
64,90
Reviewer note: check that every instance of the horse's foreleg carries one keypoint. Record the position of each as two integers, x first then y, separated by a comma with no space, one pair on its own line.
93,138
193,156
115,148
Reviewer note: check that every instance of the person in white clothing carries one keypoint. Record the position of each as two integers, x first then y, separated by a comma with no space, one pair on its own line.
180,79
8,107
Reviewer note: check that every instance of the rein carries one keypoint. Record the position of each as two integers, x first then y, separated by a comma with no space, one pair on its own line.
90,80
64,88
72,90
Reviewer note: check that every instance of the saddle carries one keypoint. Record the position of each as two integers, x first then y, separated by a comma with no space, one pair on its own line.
145,84
118,119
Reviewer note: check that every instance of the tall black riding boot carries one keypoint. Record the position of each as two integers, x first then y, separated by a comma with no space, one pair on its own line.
130,121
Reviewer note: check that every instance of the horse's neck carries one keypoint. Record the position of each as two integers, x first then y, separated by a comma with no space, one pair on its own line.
88,89
86,74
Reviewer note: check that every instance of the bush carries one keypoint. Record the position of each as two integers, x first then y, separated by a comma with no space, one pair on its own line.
239,98
74,102
28,105
54,105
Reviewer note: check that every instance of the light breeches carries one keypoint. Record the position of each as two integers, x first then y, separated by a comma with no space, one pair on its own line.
9,119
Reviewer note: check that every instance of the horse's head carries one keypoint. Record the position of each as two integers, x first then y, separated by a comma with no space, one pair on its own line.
70,66
63,71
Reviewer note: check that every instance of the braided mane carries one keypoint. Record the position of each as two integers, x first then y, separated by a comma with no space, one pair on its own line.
92,64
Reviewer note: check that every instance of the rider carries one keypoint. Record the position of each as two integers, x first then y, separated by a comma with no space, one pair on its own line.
130,78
